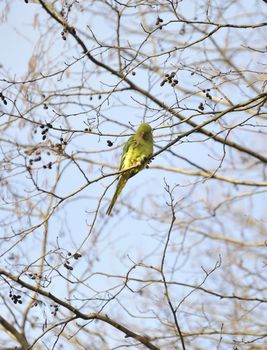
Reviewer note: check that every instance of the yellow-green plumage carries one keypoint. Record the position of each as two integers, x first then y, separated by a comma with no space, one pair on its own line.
136,151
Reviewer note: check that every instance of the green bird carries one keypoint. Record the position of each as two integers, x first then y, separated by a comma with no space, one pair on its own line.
136,151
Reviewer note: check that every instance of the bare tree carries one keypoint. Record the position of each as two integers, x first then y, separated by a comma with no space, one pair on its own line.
181,263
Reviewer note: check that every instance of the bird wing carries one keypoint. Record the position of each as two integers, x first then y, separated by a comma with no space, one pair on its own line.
125,150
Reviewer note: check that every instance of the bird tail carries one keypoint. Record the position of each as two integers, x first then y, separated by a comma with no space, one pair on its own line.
121,184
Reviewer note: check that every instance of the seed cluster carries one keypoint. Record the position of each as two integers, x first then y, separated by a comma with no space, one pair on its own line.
110,144
48,165
169,78
55,309
36,152
75,256
207,93
67,265
35,304
3,98
100,96
158,22
60,146
34,276
63,34
201,106
45,130
38,158
15,298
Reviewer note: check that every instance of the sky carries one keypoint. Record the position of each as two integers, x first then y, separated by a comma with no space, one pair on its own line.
118,242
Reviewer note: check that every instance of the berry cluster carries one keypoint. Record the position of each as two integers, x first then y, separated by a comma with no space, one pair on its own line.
34,276
75,256
55,307
207,93
59,147
169,78
100,96
15,298
67,265
63,34
35,304
37,159
3,98
201,106
158,22
65,31
36,153
45,130
48,165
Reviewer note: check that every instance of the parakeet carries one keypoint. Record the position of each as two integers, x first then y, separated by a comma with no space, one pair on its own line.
136,150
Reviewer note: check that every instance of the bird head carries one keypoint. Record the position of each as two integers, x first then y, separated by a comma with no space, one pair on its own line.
144,131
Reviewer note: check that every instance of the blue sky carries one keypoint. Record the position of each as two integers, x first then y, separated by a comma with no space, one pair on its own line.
129,237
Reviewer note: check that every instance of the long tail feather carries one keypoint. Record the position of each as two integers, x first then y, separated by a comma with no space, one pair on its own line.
121,184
